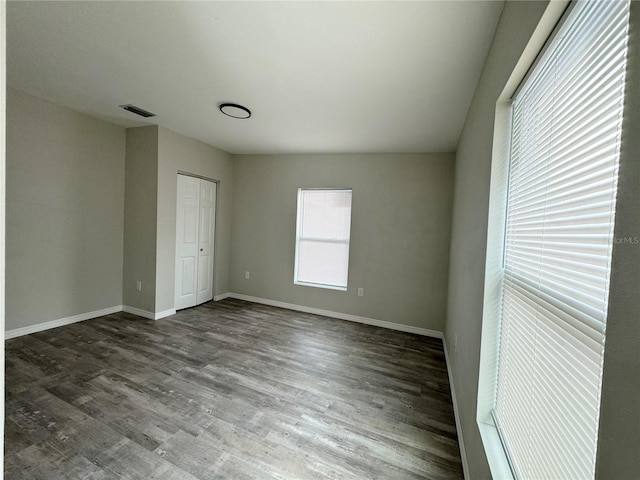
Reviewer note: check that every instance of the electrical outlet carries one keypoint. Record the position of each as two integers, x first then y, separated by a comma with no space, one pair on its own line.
360,292
247,275
139,285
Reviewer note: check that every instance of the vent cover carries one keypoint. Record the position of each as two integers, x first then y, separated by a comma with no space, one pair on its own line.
137,110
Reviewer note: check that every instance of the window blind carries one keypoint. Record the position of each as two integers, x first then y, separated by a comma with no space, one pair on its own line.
322,240
566,126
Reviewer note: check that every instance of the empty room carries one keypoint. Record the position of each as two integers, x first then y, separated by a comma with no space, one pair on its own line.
320,239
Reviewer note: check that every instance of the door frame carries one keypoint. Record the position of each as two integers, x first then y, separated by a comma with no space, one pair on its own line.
215,230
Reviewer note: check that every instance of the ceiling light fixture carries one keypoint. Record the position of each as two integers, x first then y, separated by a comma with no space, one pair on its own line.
234,110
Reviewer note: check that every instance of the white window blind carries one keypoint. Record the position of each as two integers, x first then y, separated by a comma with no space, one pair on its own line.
322,239
566,126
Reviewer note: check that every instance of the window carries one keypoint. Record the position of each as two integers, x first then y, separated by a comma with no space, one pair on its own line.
558,235
322,238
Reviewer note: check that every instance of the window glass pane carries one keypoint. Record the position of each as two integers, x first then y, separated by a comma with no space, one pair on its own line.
557,249
324,263
322,241
326,214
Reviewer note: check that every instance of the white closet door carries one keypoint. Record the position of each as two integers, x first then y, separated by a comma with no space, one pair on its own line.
206,231
187,241
195,224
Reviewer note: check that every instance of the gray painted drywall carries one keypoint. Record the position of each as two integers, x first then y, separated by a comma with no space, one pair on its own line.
177,152
154,157
401,215
3,151
619,433
65,212
470,215
140,224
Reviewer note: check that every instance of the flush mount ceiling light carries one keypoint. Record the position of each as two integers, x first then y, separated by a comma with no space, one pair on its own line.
234,110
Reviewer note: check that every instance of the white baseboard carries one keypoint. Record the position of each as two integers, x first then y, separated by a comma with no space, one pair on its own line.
147,314
18,332
158,315
341,316
138,312
456,413
166,313
39,327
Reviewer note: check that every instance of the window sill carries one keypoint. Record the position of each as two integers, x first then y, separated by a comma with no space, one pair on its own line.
321,285
498,462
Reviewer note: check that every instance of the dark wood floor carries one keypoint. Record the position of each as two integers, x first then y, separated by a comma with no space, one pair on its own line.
227,390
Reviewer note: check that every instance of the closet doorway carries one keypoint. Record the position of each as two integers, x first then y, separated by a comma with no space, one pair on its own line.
195,233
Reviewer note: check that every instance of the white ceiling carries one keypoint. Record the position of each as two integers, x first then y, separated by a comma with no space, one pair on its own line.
319,77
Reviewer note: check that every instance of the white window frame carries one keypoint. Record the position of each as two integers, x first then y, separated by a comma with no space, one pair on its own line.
299,238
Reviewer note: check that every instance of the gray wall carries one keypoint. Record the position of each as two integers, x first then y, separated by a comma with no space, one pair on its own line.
3,124
470,214
177,152
399,235
140,222
619,433
154,157
91,210
65,212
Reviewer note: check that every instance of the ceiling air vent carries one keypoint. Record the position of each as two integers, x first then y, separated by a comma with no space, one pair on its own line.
137,110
